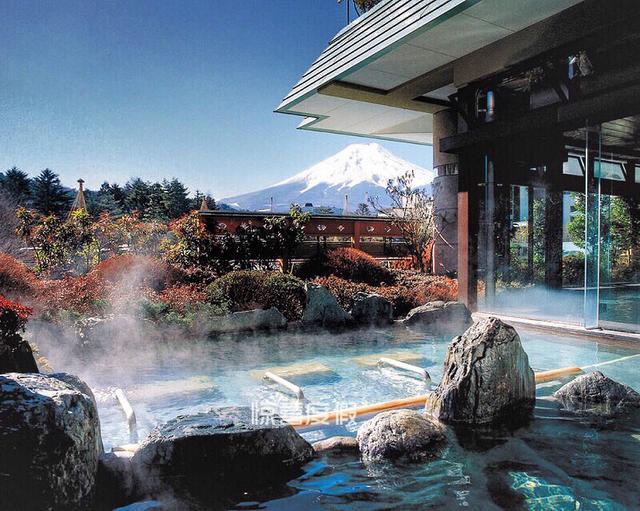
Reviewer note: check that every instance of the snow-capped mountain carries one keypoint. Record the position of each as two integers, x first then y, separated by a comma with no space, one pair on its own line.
359,171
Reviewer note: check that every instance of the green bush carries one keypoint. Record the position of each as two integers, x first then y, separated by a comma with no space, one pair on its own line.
243,289
286,293
573,270
251,289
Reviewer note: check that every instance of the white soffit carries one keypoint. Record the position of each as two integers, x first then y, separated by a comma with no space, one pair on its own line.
396,41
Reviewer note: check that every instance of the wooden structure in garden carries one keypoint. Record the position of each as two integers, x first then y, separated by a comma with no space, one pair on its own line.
377,236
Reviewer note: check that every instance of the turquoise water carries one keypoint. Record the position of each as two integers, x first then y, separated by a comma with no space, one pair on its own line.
557,461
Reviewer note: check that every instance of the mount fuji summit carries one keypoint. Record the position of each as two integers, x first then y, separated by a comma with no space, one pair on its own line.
359,171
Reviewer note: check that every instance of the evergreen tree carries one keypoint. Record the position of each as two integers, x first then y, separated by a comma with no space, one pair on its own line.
49,197
119,195
16,185
136,196
157,206
196,201
105,201
177,200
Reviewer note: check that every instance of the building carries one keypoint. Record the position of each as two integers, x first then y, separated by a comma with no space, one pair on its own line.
533,111
377,236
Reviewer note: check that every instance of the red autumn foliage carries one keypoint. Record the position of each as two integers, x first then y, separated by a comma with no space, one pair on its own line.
181,298
16,280
80,294
13,317
413,290
350,264
136,271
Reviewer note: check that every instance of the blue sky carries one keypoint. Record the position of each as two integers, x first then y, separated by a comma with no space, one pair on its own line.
158,89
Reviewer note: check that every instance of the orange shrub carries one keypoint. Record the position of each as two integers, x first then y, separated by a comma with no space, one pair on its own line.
183,297
350,264
85,294
136,271
444,289
16,280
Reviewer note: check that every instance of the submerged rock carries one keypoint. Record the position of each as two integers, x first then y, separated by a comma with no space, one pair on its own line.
598,394
323,309
243,321
16,355
440,316
336,443
49,442
486,375
224,450
372,309
399,434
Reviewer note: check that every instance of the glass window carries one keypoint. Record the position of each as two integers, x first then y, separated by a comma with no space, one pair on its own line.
606,169
573,166
637,173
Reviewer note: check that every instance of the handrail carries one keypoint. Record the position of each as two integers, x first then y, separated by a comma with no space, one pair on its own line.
285,383
304,421
407,367
128,411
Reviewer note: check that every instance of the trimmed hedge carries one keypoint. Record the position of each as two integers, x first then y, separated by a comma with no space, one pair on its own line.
349,264
252,289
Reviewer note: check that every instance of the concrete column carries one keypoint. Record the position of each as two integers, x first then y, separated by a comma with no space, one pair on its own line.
445,195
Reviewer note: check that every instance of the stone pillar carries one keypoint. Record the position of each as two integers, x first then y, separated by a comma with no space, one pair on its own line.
445,195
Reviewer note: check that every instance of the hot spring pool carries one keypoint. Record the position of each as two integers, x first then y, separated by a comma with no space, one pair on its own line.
558,461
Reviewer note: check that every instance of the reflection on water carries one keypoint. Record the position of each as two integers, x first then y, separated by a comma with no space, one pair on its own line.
557,461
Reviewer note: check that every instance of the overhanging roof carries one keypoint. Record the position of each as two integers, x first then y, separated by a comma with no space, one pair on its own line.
388,72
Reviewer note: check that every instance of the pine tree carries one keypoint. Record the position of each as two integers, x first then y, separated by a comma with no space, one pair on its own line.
177,198
137,196
119,195
157,207
105,201
49,196
16,185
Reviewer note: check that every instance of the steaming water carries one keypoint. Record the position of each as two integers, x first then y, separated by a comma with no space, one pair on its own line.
559,461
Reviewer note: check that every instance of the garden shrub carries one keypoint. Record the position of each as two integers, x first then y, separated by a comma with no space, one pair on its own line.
343,290
13,318
16,280
286,293
243,289
443,288
182,298
573,270
403,299
251,289
136,271
349,264
86,295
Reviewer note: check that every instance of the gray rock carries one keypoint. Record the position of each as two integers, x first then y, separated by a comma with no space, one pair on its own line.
220,451
49,443
16,355
598,394
440,316
486,375
399,434
323,309
243,321
336,443
116,483
372,309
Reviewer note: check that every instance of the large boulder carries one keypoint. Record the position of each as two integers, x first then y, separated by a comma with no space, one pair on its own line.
243,321
225,450
440,316
598,394
323,309
371,309
399,434
486,376
49,442
16,355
